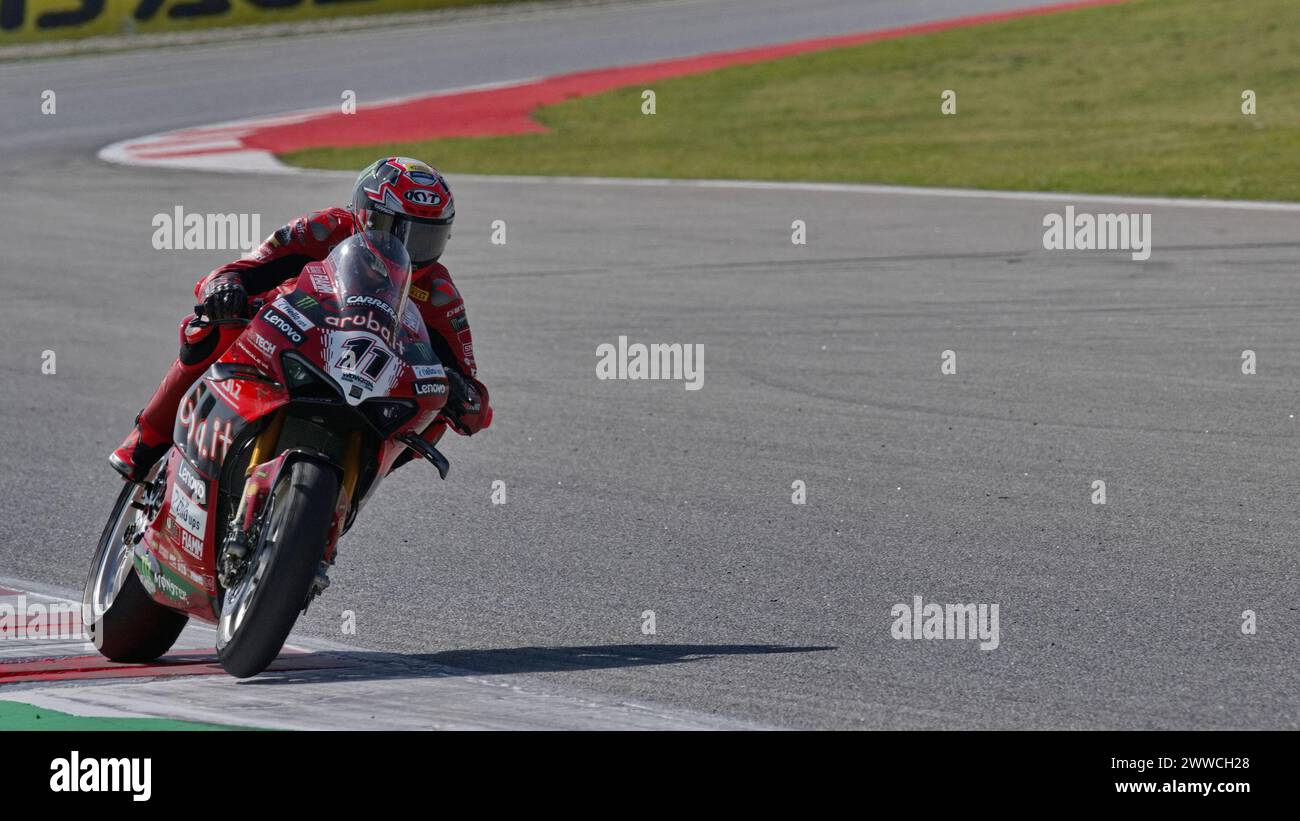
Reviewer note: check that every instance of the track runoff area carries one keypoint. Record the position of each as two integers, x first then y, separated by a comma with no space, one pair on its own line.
80,769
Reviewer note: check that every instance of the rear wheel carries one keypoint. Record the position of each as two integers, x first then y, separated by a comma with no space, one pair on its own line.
121,618
263,604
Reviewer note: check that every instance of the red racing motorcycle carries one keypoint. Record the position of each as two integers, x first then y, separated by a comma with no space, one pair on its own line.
275,450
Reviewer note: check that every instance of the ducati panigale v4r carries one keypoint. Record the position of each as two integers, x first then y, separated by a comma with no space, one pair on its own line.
275,450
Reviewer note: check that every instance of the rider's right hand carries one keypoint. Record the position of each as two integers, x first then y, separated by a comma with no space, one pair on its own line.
224,299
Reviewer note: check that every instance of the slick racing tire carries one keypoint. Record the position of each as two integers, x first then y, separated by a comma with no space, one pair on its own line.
122,620
260,609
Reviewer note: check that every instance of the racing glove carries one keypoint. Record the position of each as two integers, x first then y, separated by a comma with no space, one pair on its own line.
467,408
225,299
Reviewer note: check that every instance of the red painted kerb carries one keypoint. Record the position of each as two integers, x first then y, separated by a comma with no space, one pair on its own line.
177,663
508,109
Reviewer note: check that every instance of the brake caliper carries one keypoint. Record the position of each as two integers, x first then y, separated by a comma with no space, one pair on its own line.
147,508
234,558
243,529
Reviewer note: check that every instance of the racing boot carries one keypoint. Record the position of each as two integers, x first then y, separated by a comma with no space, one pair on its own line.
138,453
152,434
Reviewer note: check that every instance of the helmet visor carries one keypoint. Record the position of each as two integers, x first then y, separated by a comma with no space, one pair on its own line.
425,240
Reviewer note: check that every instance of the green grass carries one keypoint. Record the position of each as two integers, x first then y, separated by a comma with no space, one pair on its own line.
15,715
1142,98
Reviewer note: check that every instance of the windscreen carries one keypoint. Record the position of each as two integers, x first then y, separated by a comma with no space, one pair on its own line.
372,276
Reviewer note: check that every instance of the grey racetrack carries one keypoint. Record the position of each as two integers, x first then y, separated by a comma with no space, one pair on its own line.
822,364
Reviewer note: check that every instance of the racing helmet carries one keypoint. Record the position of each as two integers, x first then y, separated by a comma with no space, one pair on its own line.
408,199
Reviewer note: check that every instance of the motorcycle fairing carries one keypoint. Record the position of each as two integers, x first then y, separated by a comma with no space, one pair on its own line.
231,403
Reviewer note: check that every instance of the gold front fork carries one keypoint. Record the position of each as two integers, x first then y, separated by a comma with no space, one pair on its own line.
265,444
352,464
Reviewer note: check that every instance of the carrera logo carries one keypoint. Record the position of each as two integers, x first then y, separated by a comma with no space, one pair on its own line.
197,488
373,303
283,326
421,197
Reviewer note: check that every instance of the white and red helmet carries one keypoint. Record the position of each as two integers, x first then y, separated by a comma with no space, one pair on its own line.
408,199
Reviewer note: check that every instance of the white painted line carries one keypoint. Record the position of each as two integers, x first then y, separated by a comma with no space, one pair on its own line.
50,699
170,149
376,691
868,188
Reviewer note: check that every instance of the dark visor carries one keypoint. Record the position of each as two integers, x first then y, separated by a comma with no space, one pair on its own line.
424,239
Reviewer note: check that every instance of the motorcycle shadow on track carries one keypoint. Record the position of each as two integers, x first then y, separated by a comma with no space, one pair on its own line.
374,666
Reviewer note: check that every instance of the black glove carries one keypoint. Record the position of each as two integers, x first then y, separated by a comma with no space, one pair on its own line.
463,399
457,388
225,299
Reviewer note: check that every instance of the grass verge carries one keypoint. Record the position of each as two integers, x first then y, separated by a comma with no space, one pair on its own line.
1141,98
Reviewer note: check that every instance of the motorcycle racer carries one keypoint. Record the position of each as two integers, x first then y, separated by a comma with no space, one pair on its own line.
397,195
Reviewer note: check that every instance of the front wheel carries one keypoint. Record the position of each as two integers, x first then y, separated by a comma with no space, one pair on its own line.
261,607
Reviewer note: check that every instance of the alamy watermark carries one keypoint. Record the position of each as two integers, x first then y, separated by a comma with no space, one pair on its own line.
656,360
179,231
1098,232
124,775
946,621
22,618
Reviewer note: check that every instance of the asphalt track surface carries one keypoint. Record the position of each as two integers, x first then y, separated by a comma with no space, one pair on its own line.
821,364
